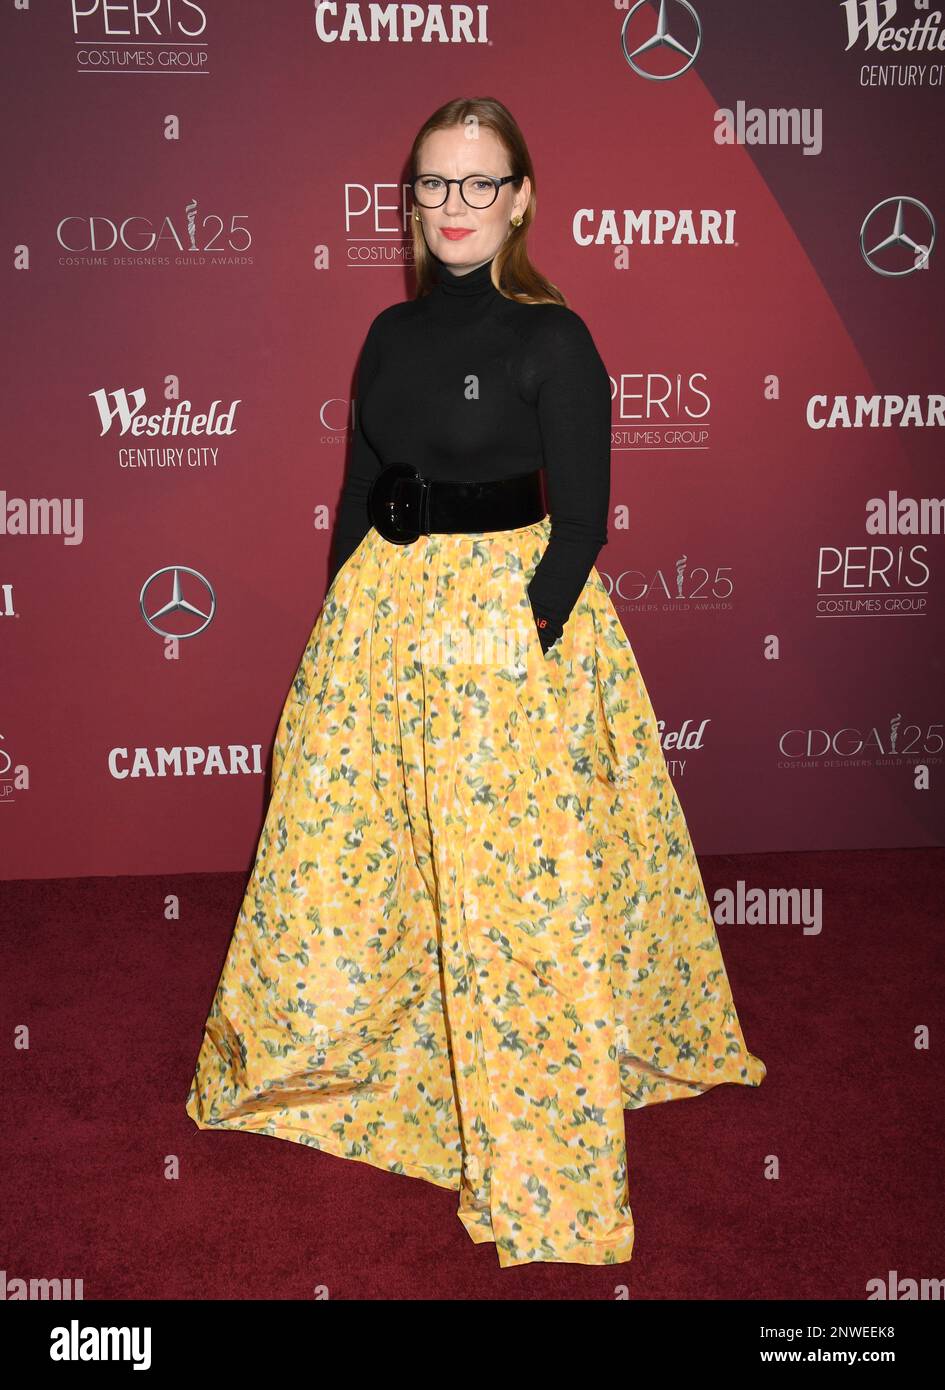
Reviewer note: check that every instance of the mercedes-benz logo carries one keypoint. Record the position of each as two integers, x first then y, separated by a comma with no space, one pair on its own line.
662,39
177,603
898,237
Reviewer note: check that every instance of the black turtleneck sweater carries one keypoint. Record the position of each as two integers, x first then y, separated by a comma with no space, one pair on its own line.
539,398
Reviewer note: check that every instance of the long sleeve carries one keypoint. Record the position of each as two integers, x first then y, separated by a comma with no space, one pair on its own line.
352,522
574,417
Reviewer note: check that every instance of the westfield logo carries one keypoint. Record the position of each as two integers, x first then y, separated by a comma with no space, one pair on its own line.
128,407
872,21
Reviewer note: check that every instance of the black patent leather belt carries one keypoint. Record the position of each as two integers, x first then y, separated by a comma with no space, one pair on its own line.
404,505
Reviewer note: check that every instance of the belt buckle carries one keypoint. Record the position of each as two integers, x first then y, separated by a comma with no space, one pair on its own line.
395,503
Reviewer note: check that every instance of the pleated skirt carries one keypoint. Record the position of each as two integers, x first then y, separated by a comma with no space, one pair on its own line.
475,931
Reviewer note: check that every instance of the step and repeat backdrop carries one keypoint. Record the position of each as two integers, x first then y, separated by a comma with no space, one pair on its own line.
205,206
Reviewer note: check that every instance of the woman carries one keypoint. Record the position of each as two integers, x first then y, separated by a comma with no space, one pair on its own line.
476,930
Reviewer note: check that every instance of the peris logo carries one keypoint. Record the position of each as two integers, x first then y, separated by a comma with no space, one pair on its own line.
175,19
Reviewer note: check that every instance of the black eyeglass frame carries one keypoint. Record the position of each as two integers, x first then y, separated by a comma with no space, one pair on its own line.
497,182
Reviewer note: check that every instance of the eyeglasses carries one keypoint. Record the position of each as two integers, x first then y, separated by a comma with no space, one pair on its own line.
476,190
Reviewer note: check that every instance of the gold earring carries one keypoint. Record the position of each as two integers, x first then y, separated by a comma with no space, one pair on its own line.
516,220
416,215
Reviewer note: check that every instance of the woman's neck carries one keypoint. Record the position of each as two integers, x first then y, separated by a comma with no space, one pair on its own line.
472,284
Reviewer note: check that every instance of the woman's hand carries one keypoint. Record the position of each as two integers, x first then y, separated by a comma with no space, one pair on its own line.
548,632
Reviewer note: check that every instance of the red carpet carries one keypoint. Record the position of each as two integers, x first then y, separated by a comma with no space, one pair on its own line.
108,1180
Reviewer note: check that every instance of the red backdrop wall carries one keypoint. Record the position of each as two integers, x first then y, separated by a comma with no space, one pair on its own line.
209,208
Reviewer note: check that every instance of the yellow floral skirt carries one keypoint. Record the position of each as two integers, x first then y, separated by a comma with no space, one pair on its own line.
476,930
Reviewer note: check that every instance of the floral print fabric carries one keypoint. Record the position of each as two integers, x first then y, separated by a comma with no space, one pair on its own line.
475,931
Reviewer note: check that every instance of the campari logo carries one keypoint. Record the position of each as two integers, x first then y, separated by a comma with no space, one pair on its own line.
392,23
